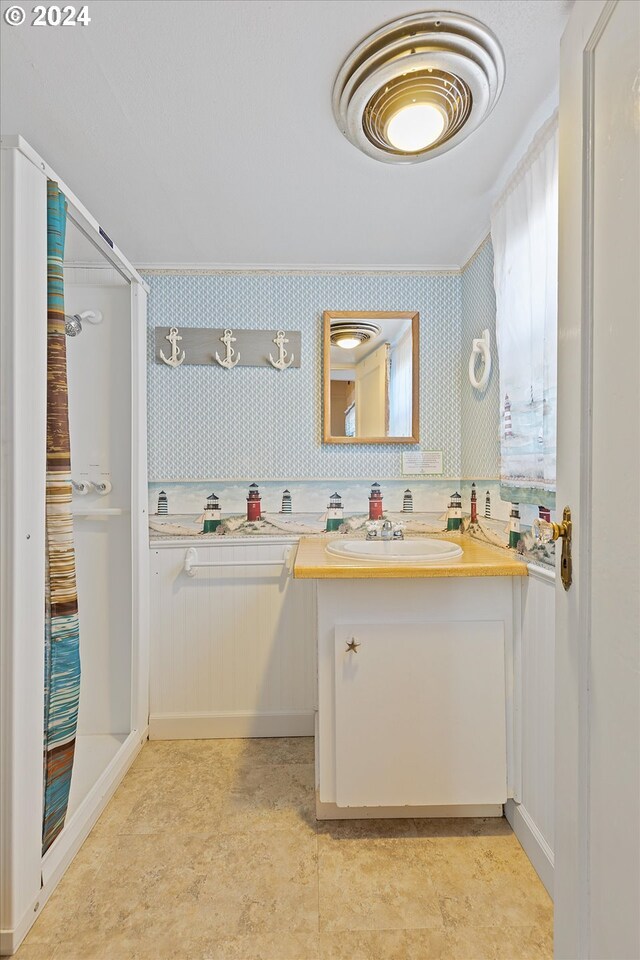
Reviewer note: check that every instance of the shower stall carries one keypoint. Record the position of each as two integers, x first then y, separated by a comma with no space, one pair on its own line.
105,327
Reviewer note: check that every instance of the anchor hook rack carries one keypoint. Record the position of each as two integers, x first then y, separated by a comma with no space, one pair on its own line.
281,363
228,348
175,359
227,361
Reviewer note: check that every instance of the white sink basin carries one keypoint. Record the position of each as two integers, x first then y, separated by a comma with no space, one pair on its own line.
396,551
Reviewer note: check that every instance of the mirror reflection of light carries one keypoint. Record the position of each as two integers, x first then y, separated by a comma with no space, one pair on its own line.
415,127
348,343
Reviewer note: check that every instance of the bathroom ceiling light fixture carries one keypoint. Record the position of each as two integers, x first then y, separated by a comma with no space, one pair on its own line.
418,86
351,334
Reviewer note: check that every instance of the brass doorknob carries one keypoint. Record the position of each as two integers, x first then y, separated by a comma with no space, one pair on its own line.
352,645
545,532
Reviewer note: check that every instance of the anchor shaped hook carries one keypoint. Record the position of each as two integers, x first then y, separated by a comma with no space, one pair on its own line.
281,363
227,361
175,359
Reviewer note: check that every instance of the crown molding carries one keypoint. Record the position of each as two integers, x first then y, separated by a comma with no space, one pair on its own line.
475,249
299,269
279,269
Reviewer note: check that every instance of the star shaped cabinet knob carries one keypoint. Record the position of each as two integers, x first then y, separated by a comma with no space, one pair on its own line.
352,645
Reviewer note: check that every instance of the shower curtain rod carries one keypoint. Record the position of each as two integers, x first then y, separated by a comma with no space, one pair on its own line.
78,213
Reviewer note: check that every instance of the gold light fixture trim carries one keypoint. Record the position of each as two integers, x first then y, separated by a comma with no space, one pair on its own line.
443,92
418,86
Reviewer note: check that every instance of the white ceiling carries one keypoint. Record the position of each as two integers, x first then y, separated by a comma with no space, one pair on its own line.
201,131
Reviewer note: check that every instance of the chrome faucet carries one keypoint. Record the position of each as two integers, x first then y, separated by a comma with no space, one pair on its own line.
384,530
387,530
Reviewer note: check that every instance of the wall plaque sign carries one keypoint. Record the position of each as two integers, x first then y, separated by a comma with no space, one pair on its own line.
422,462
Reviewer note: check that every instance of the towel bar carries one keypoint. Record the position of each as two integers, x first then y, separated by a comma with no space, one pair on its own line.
191,562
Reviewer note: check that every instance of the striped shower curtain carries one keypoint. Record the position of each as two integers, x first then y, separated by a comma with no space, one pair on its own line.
62,653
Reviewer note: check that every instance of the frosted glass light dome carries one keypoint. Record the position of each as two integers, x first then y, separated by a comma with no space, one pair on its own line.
415,127
348,343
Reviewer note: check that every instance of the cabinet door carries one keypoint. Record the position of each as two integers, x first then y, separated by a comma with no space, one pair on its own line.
420,714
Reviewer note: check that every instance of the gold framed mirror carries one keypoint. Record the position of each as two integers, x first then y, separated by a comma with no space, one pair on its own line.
371,377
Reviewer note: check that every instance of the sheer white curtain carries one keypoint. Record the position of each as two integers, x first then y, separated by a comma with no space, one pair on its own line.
524,232
400,388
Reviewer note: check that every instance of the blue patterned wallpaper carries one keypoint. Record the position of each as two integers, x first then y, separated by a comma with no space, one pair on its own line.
479,412
257,423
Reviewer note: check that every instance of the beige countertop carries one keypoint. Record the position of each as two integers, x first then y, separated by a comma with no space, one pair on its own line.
478,560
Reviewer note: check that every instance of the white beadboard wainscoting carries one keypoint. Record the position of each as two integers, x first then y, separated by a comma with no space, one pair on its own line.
232,647
532,817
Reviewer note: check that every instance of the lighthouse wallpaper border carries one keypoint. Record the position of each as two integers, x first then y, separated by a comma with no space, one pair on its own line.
205,509
187,497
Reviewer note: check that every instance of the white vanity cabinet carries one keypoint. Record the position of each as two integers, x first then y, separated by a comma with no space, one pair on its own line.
415,695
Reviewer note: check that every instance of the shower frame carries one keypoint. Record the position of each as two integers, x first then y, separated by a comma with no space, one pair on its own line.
26,877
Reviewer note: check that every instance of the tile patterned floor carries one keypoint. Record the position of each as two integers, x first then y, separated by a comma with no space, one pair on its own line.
210,850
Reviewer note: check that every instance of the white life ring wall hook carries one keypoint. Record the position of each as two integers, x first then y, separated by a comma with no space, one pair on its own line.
482,347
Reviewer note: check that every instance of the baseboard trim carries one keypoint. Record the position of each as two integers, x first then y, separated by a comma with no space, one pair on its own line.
230,726
331,811
533,843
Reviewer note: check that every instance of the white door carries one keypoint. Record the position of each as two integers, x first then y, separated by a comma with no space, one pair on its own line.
597,857
372,394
